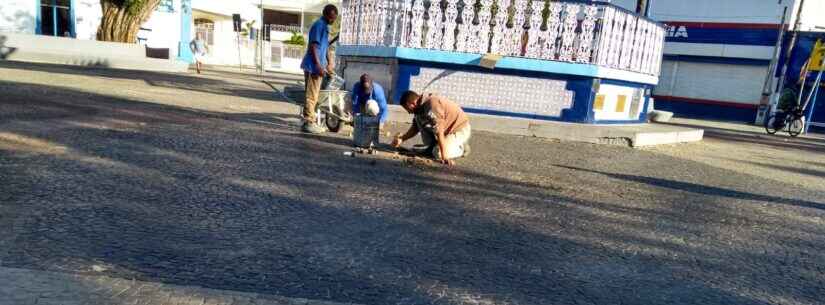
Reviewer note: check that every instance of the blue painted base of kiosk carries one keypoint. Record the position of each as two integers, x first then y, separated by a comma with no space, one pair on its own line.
516,87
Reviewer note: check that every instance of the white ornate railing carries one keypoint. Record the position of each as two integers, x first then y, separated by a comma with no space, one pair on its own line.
285,28
577,31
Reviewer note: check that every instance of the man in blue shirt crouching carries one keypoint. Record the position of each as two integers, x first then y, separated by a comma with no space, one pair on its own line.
366,89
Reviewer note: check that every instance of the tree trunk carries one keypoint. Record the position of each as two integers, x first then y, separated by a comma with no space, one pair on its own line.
120,22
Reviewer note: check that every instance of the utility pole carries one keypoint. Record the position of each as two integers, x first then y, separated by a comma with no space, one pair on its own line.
764,103
642,7
788,53
261,40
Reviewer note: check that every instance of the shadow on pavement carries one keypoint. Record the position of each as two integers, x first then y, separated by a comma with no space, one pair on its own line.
705,189
762,138
793,169
204,83
5,51
166,194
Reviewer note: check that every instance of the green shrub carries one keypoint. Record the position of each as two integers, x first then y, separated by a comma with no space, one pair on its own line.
296,39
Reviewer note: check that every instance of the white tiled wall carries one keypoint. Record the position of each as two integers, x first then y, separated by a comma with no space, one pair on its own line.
496,92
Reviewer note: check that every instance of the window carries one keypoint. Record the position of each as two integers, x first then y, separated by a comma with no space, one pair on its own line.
205,28
167,6
55,18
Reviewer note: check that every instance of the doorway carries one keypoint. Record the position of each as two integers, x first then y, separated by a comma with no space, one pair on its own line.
56,18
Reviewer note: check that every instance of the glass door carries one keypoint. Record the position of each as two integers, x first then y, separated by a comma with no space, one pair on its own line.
56,18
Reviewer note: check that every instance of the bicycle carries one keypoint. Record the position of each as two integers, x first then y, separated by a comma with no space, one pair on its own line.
793,121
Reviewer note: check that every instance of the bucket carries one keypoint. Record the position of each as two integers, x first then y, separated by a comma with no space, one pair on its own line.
365,131
332,82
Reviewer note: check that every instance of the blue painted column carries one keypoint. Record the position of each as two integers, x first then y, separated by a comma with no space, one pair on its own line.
72,19
184,53
37,24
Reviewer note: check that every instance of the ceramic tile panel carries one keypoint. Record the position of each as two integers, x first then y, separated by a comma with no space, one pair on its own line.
496,92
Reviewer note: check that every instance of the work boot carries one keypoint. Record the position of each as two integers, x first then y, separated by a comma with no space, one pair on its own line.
312,128
424,150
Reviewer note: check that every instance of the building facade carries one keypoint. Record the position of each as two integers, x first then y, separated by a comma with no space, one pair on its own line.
80,19
718,53
173,25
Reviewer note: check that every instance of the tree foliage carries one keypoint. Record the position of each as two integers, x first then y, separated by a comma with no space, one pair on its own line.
122,19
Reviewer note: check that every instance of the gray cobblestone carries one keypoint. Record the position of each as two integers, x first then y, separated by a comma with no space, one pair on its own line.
65,289
114,174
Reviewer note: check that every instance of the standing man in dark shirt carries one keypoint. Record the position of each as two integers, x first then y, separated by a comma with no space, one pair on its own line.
316,65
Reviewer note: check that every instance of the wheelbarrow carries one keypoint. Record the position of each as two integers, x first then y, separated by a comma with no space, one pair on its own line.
331,109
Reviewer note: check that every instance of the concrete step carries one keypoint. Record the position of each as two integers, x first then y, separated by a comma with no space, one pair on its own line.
143,64
635,135
68,51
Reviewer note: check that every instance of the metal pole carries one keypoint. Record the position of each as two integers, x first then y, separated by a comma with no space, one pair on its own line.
261,41
794,35
815,94
764,103
240,63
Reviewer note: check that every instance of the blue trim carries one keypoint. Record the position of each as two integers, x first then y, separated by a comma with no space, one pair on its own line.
618,122
647,8
752,37
507,63
54,21
705,111
642,112
719,60
581,110
184,53
511,114
72,21
625,83
584,93
37,28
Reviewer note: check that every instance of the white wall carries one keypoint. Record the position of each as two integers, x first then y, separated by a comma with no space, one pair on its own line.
165,30
727,11
18,16
610,107
627,4
813,16
87,18
719,50
712,81
248,9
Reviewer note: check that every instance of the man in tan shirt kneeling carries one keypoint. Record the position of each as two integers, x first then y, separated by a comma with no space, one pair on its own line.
444,127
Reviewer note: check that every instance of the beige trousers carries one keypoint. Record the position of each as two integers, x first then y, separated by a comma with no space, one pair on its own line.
313,89
454,143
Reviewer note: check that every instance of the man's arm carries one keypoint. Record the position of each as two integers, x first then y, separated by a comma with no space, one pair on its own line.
382,104
410,132
356,107
313,48
406,136
439,137
437,111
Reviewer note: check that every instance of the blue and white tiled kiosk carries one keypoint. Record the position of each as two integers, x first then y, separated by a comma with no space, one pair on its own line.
591,62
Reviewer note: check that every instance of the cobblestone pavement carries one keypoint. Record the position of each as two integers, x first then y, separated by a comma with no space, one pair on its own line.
29,287
204,182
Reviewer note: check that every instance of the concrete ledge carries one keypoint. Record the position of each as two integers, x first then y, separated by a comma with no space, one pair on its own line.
145,64
68,51
636,135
